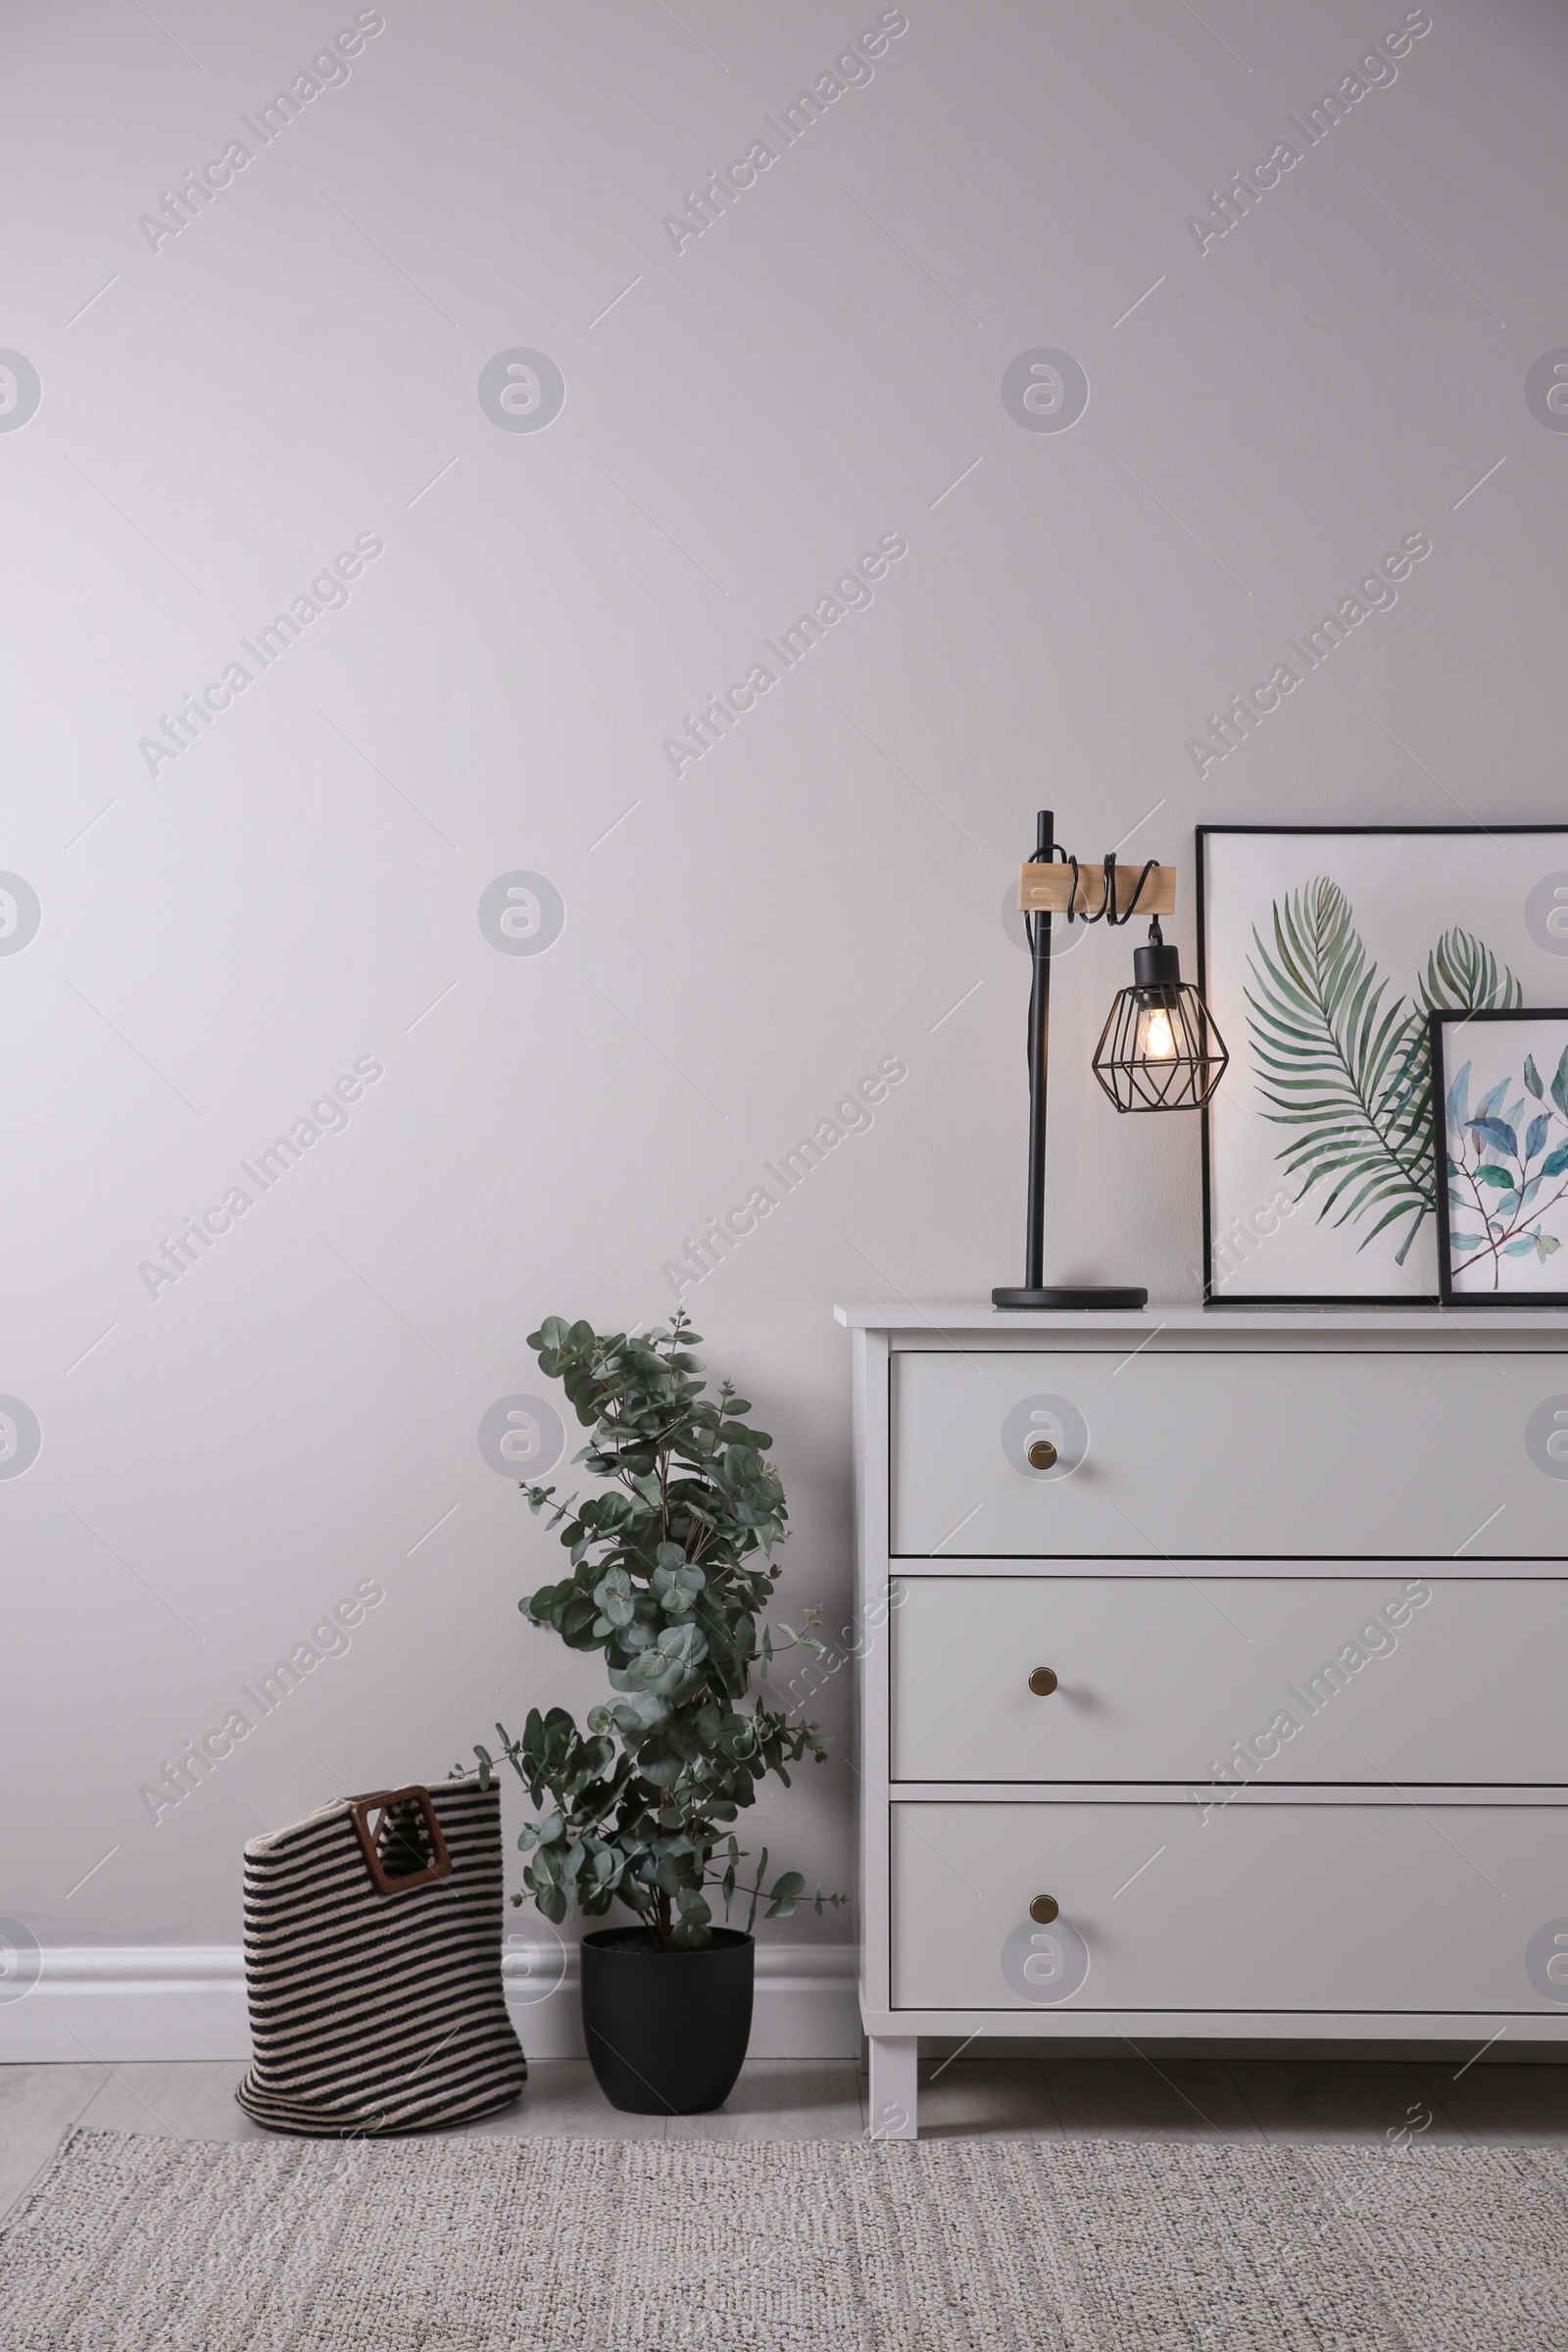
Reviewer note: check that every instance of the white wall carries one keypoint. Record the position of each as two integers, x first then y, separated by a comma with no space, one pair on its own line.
222,938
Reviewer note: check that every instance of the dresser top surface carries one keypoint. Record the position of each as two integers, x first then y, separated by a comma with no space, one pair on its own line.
942,1318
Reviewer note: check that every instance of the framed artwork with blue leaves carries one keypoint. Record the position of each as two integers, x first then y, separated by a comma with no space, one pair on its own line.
1500,1103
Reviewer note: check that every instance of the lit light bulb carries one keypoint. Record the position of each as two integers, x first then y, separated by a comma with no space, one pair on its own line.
1155,1043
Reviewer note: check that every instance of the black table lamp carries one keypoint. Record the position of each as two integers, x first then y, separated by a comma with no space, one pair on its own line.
1159,1050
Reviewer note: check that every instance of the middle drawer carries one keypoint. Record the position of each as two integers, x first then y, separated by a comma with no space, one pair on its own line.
1398,1673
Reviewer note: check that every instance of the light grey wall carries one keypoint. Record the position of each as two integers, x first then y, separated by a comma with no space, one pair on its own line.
224,933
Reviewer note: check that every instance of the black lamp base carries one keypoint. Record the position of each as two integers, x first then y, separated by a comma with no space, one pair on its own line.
1073,1294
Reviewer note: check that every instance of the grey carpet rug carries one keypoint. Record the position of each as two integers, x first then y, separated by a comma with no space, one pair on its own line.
598,2245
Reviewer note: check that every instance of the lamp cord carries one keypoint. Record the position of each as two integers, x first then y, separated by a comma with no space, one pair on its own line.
1107,910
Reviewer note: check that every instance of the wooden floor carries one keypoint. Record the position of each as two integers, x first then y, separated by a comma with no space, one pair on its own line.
1290,2100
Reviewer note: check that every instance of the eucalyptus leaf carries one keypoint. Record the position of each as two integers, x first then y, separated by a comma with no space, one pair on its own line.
786,1892
613,1593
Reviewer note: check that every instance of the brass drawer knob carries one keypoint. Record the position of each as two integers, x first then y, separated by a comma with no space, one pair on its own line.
1044,1909
1042,1682
1041,1453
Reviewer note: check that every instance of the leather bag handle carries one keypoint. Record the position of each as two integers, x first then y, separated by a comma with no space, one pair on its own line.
438,1867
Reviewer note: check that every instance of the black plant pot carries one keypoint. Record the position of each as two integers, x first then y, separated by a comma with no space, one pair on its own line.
667,2032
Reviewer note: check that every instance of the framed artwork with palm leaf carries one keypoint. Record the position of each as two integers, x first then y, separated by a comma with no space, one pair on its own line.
1499,1124
1324,955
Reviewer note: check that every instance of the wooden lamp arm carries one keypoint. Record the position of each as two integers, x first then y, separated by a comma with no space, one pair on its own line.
1047,888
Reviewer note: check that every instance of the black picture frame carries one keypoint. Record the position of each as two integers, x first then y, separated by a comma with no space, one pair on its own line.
1437,1024
1202,834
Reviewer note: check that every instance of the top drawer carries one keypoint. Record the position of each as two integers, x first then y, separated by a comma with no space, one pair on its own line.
1253,1453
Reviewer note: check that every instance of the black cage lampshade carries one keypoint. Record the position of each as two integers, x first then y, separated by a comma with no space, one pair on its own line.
1159,1050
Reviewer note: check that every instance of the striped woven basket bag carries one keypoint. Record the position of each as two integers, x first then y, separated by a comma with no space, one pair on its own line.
372,1967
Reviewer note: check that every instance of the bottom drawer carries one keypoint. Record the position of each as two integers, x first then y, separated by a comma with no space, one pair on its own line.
1264,1907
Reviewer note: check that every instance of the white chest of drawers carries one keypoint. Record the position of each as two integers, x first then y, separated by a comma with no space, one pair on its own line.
1294,1594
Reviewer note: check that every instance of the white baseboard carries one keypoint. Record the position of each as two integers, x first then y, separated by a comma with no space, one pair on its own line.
119,2003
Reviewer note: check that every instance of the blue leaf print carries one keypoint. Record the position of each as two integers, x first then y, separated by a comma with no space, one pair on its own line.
1459,1100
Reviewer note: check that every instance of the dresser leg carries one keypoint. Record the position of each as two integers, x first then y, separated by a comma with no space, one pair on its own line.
895,2092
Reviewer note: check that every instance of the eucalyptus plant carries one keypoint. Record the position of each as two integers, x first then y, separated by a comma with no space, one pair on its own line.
672,1567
